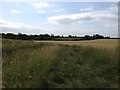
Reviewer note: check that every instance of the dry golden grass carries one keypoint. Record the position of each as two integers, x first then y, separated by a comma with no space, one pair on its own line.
100,43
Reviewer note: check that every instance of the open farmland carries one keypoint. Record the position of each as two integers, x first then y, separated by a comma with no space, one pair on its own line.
60,64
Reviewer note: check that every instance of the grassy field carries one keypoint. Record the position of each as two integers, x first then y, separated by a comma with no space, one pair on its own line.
99,43
65,65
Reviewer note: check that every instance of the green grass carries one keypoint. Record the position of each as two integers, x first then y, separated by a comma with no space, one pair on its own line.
46,65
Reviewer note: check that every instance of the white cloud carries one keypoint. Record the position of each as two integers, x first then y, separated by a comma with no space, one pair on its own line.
68,19
41,11
15,11
74,18
59,10
113,8
102,15
17,27
39,5
8,24
86,9
82,9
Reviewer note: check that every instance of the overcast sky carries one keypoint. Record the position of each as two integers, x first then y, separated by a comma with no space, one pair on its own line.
60,18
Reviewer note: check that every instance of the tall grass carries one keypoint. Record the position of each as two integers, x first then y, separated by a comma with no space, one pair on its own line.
43,65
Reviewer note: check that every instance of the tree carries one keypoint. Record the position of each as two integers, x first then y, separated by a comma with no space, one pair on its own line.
10,36
97,36
69,36
87,37
107,37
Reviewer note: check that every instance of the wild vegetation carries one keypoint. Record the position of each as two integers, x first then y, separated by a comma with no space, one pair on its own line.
50,65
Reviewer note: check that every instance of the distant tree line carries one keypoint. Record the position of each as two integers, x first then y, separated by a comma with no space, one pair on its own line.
21,36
